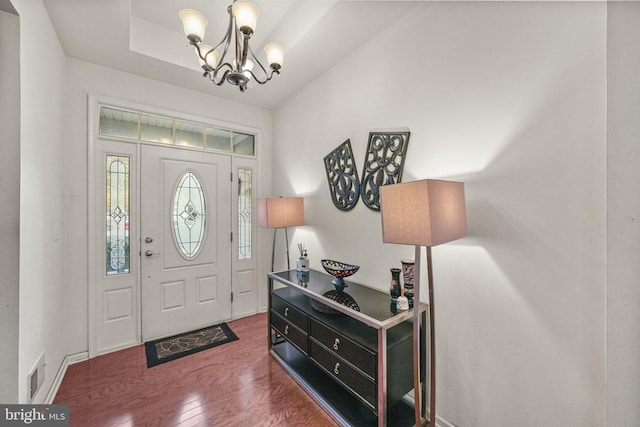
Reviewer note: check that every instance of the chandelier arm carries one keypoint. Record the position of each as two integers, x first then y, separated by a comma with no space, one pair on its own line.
198,51
214,75
226,40
268,76
253,55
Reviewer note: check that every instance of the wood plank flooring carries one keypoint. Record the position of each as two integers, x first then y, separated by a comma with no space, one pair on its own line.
235,384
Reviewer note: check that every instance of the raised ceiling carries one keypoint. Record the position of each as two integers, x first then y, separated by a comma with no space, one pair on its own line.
145,37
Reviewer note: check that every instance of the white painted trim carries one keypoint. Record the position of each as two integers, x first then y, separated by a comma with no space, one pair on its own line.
119,347
77,358
57,381
92,112
440,422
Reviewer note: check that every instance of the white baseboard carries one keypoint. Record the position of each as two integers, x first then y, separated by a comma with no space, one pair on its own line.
440,422
57,381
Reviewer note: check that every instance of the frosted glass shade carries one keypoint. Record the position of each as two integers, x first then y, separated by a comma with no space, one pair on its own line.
210,56
248,66
423,213
194,23
281,212
275,55
246,15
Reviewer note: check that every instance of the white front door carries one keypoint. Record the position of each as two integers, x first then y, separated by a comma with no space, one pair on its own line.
185,240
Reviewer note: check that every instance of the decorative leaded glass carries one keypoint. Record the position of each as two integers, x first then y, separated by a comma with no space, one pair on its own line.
117,226
245,208
189,215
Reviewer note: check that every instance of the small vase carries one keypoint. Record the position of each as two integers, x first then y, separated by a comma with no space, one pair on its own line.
302,264
408,274
395,284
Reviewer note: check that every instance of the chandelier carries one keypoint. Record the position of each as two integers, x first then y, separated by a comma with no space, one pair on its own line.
239,69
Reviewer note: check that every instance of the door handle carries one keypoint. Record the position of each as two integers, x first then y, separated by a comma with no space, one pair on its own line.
149,252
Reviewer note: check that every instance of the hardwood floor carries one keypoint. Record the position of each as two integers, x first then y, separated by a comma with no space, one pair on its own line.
235,384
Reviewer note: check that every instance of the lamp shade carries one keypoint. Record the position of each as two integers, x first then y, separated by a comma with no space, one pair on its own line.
275,55
281,212
194,24
423,213
246,15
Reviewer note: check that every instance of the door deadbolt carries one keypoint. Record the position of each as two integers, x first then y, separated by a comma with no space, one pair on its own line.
148,240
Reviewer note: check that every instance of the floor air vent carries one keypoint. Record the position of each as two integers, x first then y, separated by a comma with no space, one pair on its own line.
36,377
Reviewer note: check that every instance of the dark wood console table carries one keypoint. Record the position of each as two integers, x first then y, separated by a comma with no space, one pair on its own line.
358,365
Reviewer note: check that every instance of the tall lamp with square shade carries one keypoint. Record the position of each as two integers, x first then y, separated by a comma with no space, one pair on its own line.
280,212
423,213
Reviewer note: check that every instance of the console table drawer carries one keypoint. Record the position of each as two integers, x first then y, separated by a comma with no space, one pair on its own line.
289,331
349,350
343,371
289,312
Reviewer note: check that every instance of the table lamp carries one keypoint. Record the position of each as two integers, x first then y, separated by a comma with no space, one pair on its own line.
279,212
423,213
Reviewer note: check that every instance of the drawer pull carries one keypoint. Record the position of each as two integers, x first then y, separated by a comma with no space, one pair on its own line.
286,311
336,343
286,329
336,369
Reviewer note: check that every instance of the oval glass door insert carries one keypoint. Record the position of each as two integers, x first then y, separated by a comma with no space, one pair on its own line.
189,215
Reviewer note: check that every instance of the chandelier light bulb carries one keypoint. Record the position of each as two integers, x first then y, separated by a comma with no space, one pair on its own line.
248,66
246,15
275,55
194,24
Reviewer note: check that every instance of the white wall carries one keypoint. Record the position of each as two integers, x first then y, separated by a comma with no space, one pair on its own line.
84,79
623,291
42,165
509,97
10,202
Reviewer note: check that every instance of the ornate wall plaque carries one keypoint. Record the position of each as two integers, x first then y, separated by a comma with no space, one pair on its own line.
383,164
342,176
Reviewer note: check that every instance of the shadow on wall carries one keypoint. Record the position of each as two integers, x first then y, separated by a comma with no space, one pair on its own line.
538,210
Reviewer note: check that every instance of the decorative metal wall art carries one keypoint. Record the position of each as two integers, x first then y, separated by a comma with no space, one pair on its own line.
342,176
383,164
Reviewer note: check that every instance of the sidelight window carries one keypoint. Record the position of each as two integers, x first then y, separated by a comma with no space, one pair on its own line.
245,210
117,225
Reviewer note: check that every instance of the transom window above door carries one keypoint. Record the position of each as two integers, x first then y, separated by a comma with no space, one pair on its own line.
140,126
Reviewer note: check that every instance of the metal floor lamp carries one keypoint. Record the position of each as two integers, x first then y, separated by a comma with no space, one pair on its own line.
279,212
423,213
